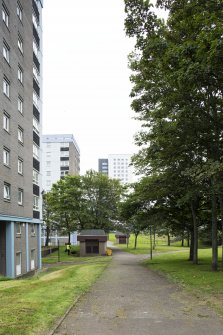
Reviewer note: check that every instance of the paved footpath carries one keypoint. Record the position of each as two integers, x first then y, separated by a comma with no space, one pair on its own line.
129,299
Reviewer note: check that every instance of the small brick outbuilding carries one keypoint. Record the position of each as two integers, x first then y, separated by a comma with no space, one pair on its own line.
122,238
93,242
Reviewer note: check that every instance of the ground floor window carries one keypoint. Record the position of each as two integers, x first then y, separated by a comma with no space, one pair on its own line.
32,259
18,263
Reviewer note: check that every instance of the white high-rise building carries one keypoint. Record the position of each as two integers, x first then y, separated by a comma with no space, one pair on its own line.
61,156
119,167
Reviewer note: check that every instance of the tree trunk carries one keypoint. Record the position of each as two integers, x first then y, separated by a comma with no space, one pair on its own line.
154,238
136,236
182,242
191,246
221,209
151,242
188,239
69,237
214,265
195,234
47,235
168,239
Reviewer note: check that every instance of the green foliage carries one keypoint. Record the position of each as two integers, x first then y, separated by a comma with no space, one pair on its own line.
178,96
85,202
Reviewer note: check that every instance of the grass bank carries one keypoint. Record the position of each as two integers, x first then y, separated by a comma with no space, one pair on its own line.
198,279
31,306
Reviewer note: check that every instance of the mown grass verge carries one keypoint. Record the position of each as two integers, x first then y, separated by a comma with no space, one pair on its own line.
143,245
31,306
198,279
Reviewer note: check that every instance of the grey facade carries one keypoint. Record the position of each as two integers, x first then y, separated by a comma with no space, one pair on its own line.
117,166
61,156
21,101
103,165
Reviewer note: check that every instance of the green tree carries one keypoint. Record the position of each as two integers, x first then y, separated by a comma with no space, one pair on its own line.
178,93
102,197
65,201
48,217
85,202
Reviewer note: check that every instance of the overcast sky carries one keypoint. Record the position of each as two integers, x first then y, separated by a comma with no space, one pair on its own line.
86,83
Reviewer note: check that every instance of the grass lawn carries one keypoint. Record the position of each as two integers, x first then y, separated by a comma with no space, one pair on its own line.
72,258
172,262
31,306
199,279
63,256
143,245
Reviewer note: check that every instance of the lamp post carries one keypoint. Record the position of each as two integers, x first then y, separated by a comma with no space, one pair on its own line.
146,208
151,242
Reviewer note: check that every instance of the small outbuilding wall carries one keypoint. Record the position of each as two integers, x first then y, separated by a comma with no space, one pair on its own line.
92,242
122,238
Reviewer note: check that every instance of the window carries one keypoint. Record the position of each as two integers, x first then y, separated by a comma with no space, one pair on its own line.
5,15
48,173
35,151
32,229
19,11
35,48
20,43
6,86
64,144
20,196
20,105
48,163
64,173
35,73
64,163
18,263
20,135
36,100
35,177
64,154
35,125
6,121
35,202
35,21
6,156
48,183
7,191
20,74
18,228
6,51
32,259
20,166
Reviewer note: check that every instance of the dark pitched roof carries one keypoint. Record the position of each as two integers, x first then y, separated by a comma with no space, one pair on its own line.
118,233
92,232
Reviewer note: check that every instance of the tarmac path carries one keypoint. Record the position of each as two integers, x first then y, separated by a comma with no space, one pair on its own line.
129,299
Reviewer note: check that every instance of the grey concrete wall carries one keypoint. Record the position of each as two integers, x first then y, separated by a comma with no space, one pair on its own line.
20,246
33,244
2,249
102,248
10,140
74,160
82,249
